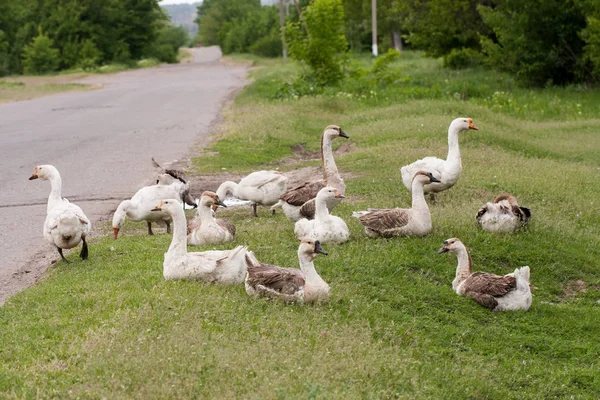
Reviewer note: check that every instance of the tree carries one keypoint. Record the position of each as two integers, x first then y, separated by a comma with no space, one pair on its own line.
40,57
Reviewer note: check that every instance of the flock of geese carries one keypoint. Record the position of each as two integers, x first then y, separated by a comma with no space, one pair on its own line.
308,204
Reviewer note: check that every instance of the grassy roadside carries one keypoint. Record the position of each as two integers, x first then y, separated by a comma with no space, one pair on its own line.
112,327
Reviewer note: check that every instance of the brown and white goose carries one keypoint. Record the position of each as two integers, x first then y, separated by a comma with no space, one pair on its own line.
415,221
176,177
298,202
205,228
503,215
302,285
498,293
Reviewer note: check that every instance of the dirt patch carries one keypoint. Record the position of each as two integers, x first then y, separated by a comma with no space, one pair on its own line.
573,288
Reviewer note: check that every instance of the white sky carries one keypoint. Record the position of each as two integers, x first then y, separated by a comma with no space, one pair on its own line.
164,2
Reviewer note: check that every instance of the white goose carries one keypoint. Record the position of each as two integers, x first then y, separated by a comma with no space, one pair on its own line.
325,228
288,284
296,202
401,221
139,207
222,266
205,228
498,293
445,171
503,215
66,225
175,177
260,187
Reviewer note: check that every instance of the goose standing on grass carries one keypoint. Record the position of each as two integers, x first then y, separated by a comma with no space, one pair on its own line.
66,225
445,171
222,266
401,221
325,228
503,215
498,293
298,202
205,228
139,207
168,176
288,284
261,188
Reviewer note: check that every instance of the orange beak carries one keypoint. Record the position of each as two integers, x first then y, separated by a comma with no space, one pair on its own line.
158,207
115,232
338,195
34,175
472,126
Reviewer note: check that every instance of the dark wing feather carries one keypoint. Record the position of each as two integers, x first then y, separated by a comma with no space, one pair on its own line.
282,280
486,300
226,224
481,211
524,214
308,209
490,284
383,220
299,195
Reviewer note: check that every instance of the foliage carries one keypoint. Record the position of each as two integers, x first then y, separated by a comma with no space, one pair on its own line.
319,40
40,57
166,47
462,58
267,46
591,36
89,56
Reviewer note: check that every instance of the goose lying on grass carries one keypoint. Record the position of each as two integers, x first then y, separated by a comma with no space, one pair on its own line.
401,221
66,225
261,188
296,202
445,171
498,293
169,176
222,266
205,228
503,215
288,284
139,207
325,228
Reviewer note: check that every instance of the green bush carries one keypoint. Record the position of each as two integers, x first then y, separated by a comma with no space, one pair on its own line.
267,46
4,56
39,57
89,55
591,36
166,47
462,58
320,42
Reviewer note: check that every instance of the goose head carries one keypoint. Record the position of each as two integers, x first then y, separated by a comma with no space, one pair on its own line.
334,131
210,199
44,172
509,198
329,192
452,245
462,124
170,206
310,248
425,177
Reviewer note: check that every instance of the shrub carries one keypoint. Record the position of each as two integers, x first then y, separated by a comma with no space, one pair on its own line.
267,46
462,58
39,57
591,36
89,55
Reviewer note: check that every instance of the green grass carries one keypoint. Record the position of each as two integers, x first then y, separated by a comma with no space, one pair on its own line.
17,91
112,327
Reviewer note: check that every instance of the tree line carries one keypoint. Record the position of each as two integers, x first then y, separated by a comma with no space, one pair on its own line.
542,42
41,36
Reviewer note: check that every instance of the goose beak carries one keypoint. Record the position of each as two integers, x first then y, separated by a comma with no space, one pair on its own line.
319,249
158,207
472,126
433,178
338,195
343,134
220,203
34,176
115,232
443,250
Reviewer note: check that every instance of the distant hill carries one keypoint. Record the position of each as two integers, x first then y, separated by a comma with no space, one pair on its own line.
184,15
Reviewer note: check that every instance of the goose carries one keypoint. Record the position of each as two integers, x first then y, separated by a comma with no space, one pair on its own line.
445,171
498,293
205,228
66,224
288,284
260,187
401,221
294,201
139,207
325,228
222,266
503,215
176,177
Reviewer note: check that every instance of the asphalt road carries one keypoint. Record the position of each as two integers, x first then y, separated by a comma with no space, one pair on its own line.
101,141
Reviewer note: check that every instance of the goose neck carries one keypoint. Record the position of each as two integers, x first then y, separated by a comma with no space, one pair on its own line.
226,188
330,170
463,269
205,212
418,196
56,188
321,210
307,266
178,245
453,149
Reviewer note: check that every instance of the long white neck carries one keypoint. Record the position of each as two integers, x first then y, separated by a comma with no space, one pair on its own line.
453,150
463,269
56,191
330,172
321,210
178,245
227,187
205,213
418,196
121,212
307,266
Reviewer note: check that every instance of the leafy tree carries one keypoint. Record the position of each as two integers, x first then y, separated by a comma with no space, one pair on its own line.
40,57
321,42
89,56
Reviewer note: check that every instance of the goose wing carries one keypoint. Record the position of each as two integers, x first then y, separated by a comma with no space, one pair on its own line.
261,178
300,194
282,280
489,284
227,225
308,209
382,220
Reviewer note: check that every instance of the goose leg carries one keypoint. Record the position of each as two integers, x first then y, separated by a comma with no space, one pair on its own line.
62,256
84,248
254,209
273,212
168,227
149,228
432,197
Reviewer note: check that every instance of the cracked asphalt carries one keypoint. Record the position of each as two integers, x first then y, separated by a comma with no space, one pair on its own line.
101,141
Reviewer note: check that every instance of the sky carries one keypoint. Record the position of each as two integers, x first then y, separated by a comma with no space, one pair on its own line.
165,2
